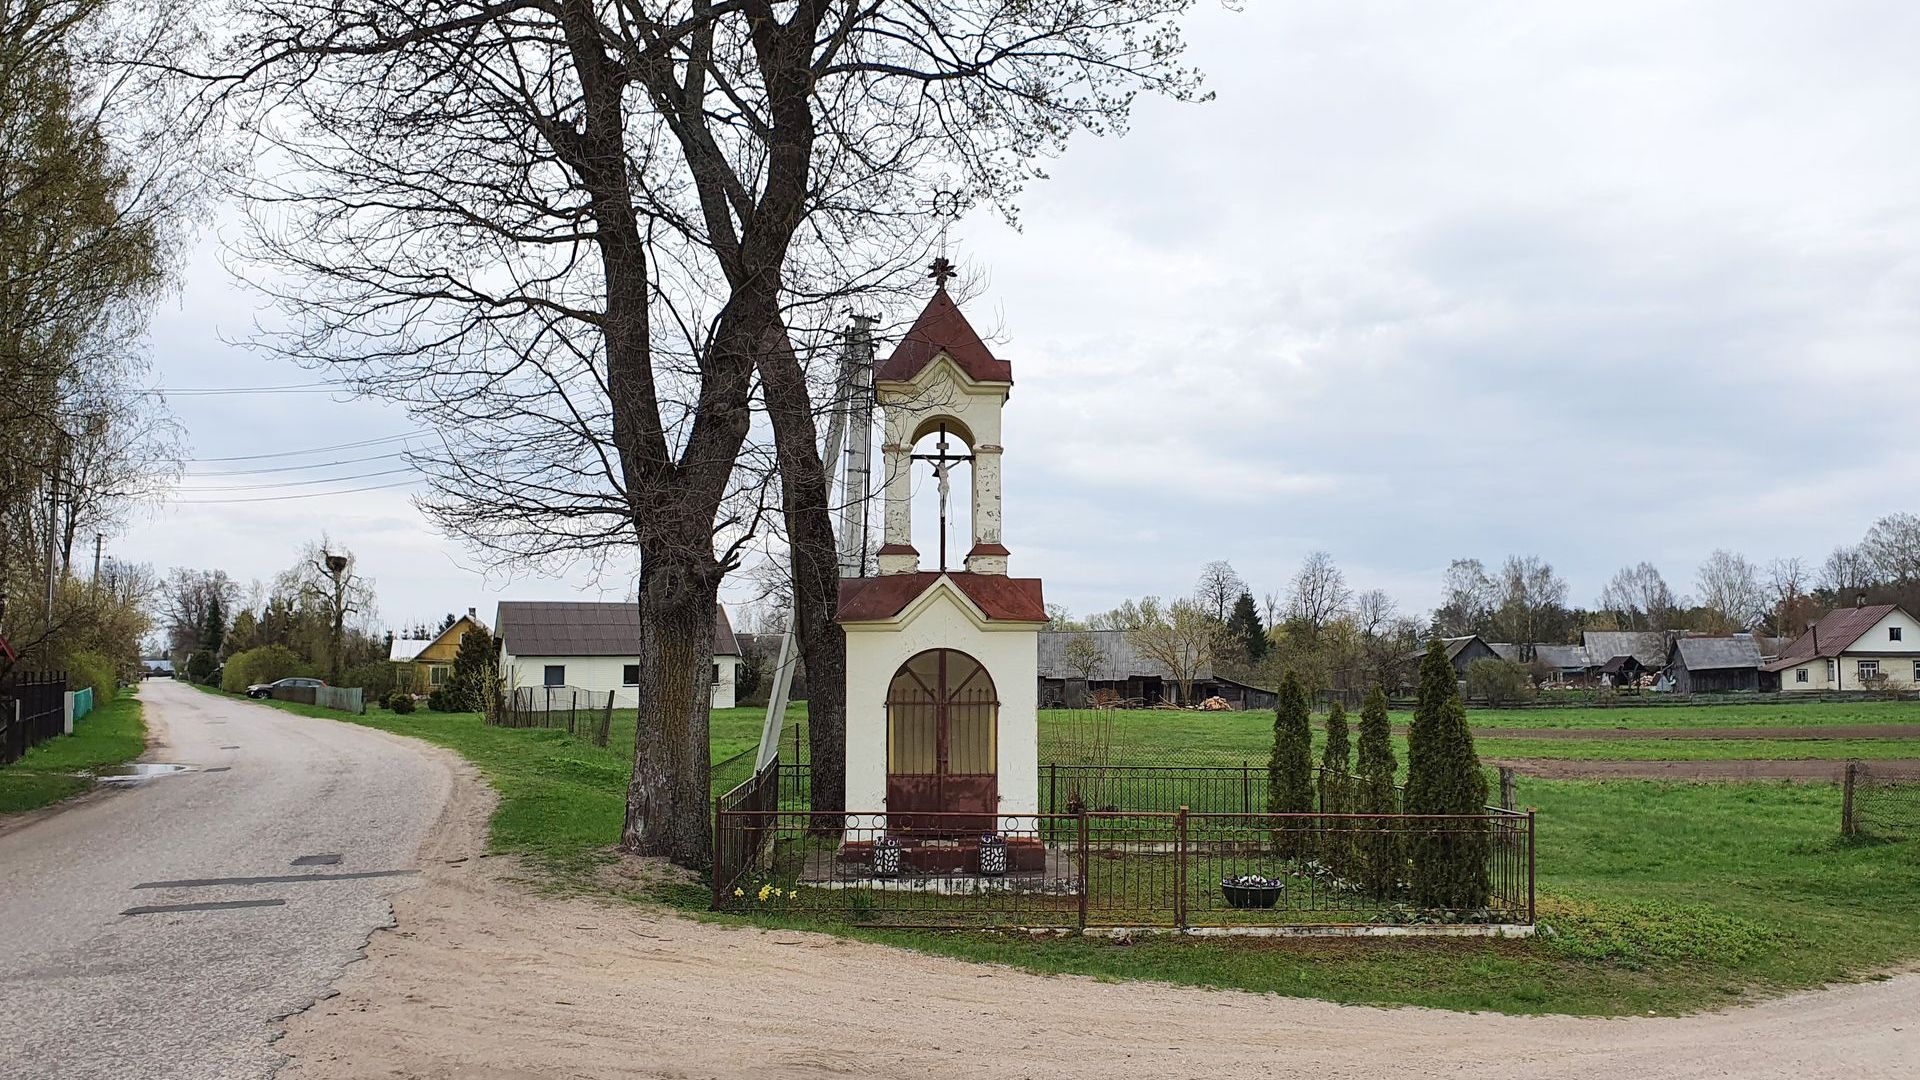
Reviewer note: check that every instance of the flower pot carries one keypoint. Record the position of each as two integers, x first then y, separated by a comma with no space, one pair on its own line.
1252,895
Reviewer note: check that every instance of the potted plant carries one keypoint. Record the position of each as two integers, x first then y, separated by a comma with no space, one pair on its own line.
1252,891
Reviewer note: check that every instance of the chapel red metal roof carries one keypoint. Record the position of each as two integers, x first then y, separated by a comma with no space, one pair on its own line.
1001,598
941,328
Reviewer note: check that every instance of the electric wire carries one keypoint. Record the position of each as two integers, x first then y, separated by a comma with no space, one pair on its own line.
315,450
272,485
303,495
297,468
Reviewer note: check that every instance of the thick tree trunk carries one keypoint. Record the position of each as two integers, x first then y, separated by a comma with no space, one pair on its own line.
668,804
813,552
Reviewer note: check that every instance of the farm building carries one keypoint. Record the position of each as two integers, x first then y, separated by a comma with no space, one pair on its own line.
563,645
1112,664
1713,665
1865,647
1461,651
1647,647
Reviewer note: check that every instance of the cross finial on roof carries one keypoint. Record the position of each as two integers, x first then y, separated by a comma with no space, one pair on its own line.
940,271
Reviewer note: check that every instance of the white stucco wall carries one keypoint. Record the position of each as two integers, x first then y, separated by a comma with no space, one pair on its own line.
606,673
942,618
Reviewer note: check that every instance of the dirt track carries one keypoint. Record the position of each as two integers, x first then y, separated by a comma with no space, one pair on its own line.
482,978
1789,733
1805,769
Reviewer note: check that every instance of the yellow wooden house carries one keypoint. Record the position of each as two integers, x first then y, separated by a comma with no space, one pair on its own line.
421,666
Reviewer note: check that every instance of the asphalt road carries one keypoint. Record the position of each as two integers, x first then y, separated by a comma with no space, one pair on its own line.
88,989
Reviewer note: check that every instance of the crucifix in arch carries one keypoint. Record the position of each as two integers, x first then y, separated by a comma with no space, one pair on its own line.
943,463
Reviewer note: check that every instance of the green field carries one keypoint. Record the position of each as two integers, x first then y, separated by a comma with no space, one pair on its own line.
1655,897
112,734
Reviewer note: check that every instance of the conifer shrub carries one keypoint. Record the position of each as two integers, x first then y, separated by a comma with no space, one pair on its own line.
400,702
1449,860
1378,848
1290,770
1336,792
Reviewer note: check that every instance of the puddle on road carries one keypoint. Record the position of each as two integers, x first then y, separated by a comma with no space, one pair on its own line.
138,771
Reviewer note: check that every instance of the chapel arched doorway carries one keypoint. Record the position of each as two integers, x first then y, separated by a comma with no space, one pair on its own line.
943,749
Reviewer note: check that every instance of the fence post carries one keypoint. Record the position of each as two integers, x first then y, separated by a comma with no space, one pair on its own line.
1246,787
1847,826
1531,915
1506,787
573,712
1180,869
1085,885
606,722
1053,787
719,854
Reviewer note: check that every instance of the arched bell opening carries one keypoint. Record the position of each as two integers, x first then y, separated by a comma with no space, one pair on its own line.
944,493
943,720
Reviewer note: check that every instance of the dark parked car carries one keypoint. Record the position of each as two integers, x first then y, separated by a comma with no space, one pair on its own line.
265,690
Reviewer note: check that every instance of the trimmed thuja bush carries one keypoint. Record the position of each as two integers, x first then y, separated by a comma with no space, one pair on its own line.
1378,851
1443,777
1290,770
1336,793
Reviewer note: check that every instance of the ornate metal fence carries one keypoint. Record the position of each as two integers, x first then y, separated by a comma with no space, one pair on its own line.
1228,871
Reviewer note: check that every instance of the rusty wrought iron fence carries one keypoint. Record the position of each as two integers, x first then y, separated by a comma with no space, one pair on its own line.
1088,869
33,709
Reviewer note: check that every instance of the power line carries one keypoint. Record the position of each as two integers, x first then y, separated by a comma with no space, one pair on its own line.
305,495
315,450
298,468
296,483
220,391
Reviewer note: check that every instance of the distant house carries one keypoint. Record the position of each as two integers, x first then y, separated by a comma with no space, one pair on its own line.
422,665
584,645
1713,665
1130,674
1462,651
1866,647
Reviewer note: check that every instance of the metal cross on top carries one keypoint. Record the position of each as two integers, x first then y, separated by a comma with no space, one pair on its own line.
943,463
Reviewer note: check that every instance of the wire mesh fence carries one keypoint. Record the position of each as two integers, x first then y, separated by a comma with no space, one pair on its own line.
1880,800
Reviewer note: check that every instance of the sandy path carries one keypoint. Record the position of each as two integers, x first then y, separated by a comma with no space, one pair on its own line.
1809,770
484,979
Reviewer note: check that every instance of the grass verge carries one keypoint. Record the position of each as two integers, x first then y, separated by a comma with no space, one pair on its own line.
112,734
1656,897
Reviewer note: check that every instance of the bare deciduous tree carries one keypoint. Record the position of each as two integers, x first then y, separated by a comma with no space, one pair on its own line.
1641,598
1892,547
576,237
1730,591
1846,573
1219,586
1468,600
1318,593
324,578
1179,635
1532,602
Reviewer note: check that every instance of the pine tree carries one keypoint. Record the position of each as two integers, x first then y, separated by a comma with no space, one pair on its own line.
1245,627
1336,787
1444,777
205,662
1290,770
1379,849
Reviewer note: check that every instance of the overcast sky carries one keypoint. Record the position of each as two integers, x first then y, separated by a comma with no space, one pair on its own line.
1602,282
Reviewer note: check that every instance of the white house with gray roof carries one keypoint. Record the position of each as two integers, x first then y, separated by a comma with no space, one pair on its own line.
563,645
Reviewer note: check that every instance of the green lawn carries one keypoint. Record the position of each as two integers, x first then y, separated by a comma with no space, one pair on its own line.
112,734
1812,714
1654,896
